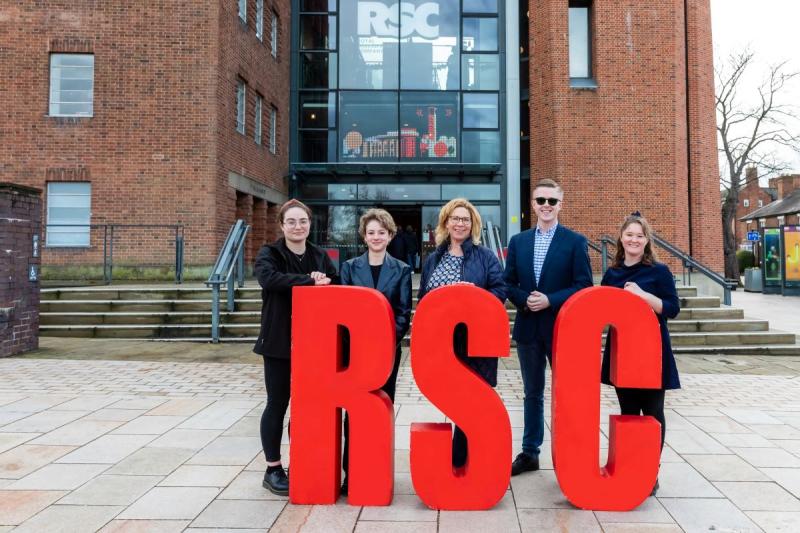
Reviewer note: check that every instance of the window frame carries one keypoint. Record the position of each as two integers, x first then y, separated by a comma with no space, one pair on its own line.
583,82
241,106
257,124
273,33
260,20
273,130
51,104
242,11
78,230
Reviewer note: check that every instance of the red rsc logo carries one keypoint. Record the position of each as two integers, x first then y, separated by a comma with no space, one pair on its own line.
321,388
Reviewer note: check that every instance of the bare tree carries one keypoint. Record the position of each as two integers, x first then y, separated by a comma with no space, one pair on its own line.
749,135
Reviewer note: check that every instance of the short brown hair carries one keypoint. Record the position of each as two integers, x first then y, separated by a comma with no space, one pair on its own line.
381,216
649,256
447,210
290,204
548,183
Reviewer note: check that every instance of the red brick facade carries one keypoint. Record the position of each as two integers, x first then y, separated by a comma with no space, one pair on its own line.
752,196
162,140
20,224
644,139
162,146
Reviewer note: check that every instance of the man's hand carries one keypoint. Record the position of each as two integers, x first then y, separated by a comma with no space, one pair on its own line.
324,280
537,301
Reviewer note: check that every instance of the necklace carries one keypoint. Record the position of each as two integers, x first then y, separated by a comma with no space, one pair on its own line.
299,257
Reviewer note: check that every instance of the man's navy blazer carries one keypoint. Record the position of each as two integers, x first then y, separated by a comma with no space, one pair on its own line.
566,270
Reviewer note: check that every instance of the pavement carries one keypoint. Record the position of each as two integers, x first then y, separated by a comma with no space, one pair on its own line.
100,435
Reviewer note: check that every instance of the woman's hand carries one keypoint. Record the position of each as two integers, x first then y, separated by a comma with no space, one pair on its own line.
652,300
633,287
316,276
324,280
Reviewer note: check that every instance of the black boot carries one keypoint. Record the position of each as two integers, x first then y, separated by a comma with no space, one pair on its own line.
276,481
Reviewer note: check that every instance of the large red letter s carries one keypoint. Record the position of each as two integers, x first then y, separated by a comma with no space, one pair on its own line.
634,441
463,396
321,387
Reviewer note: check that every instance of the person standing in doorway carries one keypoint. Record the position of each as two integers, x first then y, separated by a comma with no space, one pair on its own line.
545,266
411,246
289,262
397,247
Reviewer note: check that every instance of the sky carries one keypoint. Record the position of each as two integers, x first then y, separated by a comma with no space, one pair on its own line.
771,28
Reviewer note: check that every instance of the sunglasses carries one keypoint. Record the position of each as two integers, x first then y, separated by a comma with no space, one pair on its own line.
550,201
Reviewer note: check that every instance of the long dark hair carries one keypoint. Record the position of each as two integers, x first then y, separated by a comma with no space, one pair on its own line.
649,256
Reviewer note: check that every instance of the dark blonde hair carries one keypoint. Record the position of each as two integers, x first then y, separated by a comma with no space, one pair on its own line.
290,204
649,256
447,210
548,183
382,217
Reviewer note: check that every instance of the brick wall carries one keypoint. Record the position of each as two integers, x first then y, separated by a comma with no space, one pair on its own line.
162,138
754,196
624,145
20,216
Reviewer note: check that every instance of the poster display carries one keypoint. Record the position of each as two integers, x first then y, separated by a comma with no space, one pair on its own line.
791,250
772,256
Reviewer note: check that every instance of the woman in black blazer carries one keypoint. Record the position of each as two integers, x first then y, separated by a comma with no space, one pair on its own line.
378,270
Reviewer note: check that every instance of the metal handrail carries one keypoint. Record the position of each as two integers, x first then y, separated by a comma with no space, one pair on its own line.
602,249
688,263
230,257
108,244
491,237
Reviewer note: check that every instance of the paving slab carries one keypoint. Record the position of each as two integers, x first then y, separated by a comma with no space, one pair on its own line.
703,514
145,526
776,521
339,518
16,506
171,503
758,496
201,476
58,477
109,449
237,514
404,508
69,519
152,461
111,490
78,433
20,461
725,468
557,520
502,517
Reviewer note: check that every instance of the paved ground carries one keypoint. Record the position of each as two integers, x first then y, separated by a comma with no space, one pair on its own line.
88,444
163,436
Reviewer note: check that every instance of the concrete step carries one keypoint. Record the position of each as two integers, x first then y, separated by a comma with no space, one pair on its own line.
715,325
708,313
156,318
699,301
141,306
731,338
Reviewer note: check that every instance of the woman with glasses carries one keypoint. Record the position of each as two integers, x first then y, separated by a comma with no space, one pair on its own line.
636,270
460,258
377,269
289,262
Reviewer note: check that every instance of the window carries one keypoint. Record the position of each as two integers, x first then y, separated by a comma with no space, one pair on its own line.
260,20
761,203
68,208
243,10
781,220
429,126
273,35
580,50
369,42
273,130
317,70
480,110
746,202
257,125
71,85
480,72
429,52
317,32
480,35
317,110
241,94
368,128
484,147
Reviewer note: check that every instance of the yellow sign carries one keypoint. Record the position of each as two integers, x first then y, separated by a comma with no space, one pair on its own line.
791,239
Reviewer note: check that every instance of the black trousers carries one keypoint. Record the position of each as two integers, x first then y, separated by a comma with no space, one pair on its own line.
389,388
277,378
644,402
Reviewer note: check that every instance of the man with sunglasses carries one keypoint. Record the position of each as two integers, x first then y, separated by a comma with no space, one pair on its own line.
545,266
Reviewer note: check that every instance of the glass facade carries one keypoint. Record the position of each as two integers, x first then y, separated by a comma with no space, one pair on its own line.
398,82
412,89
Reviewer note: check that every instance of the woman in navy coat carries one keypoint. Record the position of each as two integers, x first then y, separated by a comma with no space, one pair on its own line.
635,269
377,269
460,258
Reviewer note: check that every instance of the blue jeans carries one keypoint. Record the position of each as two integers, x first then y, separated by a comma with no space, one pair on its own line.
533,361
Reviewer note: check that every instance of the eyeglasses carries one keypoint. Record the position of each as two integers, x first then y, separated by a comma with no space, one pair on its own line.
461,220
290,222
540,200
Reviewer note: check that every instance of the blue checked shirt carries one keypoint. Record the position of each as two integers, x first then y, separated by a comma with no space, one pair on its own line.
541,244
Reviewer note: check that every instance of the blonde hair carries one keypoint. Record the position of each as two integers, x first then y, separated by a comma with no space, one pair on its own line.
444,214
381,216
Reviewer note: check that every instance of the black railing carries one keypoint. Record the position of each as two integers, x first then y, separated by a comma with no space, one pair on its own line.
139,243
688,263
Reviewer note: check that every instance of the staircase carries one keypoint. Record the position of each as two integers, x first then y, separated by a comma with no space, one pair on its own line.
184,313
